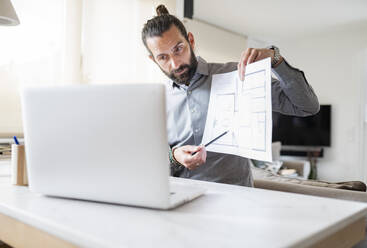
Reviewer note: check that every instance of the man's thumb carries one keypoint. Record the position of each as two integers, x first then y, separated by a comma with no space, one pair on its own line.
189,149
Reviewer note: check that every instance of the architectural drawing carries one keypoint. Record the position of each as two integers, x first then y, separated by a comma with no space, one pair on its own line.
243,108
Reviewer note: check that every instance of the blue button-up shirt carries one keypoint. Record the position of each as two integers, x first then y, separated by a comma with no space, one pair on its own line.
187,108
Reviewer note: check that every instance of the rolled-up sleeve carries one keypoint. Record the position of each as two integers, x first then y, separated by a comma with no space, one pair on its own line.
291,93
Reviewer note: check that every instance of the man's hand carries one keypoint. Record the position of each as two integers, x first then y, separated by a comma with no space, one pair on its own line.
183,155
251,55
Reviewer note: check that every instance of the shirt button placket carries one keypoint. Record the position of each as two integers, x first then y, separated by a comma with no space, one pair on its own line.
194,116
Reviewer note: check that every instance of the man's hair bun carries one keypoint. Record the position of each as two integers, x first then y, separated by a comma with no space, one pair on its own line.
161,10
159,24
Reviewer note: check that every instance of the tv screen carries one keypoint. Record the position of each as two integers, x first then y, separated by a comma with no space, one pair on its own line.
303,131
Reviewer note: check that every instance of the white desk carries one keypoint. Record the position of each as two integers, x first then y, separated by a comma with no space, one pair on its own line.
227,216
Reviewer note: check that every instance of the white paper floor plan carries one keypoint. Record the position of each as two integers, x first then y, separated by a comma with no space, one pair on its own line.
243,108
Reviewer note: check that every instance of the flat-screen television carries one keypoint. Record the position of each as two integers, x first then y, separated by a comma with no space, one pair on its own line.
303,131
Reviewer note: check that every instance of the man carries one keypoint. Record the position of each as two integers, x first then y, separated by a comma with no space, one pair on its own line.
171,48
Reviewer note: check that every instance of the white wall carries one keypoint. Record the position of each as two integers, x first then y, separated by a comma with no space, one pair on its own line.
113,51
30,55
215,44
112,48
333,64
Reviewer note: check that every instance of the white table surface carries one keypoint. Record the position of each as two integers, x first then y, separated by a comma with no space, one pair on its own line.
226,216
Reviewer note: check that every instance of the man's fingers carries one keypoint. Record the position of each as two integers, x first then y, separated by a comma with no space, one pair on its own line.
252,57
198,150
197,160
189,149
200,155
243,62
204,154
193,150
247,55
240,71
240,65
191,163
194,165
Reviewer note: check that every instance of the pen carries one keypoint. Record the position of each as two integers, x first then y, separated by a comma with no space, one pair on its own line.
16,140
213,140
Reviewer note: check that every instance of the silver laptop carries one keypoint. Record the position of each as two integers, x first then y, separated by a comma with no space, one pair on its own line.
103,143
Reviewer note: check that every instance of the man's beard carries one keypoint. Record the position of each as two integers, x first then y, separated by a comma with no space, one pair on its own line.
185,77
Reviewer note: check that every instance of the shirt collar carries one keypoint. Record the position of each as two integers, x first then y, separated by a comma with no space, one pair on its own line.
202,69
